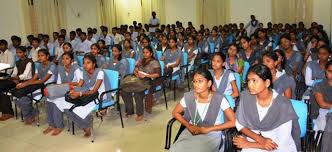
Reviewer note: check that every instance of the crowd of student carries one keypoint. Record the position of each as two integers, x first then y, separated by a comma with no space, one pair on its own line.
281,58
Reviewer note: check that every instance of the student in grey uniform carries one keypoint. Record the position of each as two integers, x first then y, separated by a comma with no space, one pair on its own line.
283,83
214,42
247,53
45,73
315,70
203,110
101,60
223,80
93,81
266,118
163,46
67,47
172,58
294,59
116,62
128,51
323,96
68,73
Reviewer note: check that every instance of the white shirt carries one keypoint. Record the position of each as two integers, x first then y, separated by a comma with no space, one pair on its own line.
26,75
7,57
108,40
281,135
34,54
77,76
229,89
51,79
59,51
117,38
202,109
153,21
84,46
308,76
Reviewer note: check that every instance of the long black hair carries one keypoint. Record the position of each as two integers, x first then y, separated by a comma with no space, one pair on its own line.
90,57
206,74
263,72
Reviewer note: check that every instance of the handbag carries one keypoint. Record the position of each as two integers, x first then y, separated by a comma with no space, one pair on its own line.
131,83
81,101
54,91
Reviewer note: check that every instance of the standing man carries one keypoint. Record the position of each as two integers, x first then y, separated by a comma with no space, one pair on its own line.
153,23
252,25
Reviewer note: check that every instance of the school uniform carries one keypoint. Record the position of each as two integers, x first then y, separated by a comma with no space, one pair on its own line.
127,54
265,45
194,51
283,82
81,114
109,41
153,21
234,67
24,70
58,52
54,106
278,121
201,114
34,54
295,59
7,57
74,43
223,84
24,102
251,27
101,61
313,73
121,66
327,135
252,58
170,58
214,44
84,46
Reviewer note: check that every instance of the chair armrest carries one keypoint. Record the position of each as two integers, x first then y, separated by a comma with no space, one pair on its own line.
108,91
169,133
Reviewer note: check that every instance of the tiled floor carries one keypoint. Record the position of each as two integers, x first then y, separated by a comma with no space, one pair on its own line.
146,136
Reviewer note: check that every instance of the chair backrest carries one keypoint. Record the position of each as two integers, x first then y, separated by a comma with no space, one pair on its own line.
245,70
80,60
212,47
37,64
238,81
107,59
159,54
231,102
113,77
330,110
131,62
184,58
301,111
162,66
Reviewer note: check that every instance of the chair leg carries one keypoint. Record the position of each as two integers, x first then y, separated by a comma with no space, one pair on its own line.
37,107
16,115
165,97
119,108
93,134
188,81
73,127
174,88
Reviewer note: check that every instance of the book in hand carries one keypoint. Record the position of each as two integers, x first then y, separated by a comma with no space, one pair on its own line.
143,73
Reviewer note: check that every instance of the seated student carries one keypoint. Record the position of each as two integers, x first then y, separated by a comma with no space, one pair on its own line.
68,73
23,71
181,40
312,49
266,118
47,44
59,50
147,69
93,81
232,61
191,49
128,51
263,42
247,53
315,70
283,83
101,60
172,58
84,46
6,56
44,74
33,54
297,43
294,59
163,46
16,42
67,47
144,42
223,80
323,97
73,41
103,48
203,111
116,62
109,41
214,39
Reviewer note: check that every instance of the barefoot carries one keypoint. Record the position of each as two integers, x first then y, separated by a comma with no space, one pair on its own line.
47,130
87,132
30,121
56,131
139,118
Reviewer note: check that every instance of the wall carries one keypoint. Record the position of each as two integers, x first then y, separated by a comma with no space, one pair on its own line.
242,9
11,20
180,10
87,11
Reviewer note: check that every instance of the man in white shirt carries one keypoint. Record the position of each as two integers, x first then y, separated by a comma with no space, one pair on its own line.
90,37
116,36
64,33
153,23
34,50
55,39
6,56
252,25
73,41
104,36
48,45
16,42
84,46
59,49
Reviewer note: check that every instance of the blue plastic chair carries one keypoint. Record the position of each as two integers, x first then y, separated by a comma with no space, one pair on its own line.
80,60
238,81
212,48
245,70
330,110
301,111
231,103
131,62
159,54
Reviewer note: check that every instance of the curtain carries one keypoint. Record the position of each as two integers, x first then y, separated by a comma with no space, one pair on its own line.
213,12
106,13
292,11
43,16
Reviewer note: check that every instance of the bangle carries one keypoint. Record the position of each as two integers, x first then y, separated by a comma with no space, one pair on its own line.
80,94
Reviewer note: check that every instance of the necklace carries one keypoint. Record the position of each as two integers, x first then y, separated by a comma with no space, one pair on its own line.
194,121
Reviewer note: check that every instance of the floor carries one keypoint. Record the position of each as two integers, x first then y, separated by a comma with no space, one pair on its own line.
147,136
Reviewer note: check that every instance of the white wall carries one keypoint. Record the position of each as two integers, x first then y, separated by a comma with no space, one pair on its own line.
242,9
11,20
180,10
87,10
322,14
